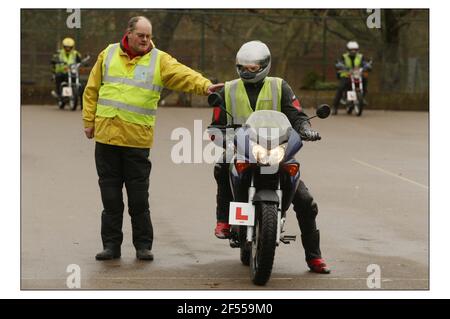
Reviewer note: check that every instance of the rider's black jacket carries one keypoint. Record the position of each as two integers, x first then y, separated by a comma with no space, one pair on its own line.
290,105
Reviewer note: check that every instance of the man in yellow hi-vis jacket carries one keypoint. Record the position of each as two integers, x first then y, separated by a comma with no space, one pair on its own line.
120,102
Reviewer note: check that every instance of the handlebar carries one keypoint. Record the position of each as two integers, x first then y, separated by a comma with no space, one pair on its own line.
340,66
224,127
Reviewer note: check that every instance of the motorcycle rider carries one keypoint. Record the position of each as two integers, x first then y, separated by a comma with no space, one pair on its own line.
253,61
61,61
349,60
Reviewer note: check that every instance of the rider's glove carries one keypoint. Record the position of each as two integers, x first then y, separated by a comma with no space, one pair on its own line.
308,134
367,66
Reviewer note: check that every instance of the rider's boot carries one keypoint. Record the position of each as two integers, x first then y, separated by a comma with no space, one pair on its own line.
311,244
335,110
222,230
318,265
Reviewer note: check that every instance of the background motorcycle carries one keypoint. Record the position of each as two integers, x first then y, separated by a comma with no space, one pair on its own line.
264,176
72,89
353,99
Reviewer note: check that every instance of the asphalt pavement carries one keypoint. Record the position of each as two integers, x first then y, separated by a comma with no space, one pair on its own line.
369,176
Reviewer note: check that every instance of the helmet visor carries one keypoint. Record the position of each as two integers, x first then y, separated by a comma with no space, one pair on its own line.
353,52
253,68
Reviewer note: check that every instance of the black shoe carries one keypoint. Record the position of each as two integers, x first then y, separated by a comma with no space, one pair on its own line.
144,254
107,254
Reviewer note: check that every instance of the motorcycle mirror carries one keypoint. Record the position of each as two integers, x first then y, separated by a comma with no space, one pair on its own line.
323,111
215,99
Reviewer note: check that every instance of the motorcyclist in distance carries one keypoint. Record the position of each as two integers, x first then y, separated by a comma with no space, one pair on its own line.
61,61
349,60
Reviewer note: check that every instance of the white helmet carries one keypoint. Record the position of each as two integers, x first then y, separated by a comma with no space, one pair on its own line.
352,45
253,53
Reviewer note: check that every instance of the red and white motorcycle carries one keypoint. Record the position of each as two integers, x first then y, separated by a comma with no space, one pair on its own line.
353,99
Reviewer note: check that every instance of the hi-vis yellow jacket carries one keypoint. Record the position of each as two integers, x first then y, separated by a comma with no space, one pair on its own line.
65,59
114,122
238,104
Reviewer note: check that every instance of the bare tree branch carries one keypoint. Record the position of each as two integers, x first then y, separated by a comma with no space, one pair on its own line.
338,34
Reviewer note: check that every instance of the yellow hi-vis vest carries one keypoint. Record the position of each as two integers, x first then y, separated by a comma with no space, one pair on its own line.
131,95
348,63
238,104
65,60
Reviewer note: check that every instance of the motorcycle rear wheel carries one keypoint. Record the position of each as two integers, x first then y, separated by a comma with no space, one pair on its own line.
264,243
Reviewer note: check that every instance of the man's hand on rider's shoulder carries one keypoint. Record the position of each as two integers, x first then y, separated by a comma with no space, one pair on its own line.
215,87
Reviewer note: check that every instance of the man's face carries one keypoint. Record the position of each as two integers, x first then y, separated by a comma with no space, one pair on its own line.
253,68
353,52
68,49
139,38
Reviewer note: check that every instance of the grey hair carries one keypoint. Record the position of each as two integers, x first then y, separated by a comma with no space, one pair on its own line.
132,22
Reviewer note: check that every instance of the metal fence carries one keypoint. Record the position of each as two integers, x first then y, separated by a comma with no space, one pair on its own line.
304,44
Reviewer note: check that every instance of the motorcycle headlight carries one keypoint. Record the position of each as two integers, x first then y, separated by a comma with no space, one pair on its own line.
73,68
266,157
276,155
260,154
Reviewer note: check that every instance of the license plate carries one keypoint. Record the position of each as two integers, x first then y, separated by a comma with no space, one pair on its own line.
67,91
242,214
351,96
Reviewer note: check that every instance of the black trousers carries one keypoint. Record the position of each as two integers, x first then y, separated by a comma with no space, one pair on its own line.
305,209
116,166
59,78
344,85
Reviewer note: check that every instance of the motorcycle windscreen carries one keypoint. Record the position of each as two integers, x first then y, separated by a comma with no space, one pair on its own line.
270,125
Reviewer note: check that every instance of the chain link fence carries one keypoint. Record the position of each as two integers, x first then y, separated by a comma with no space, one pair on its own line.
304,44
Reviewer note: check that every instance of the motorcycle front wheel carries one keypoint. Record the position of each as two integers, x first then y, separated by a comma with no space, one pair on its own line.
74,99
264,242
359,106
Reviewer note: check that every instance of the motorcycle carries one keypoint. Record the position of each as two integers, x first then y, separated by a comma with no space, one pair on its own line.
263,176
72,89
353,99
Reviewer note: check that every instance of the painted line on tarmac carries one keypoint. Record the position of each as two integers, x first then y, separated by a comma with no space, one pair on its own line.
389,173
